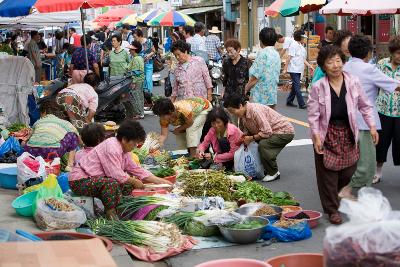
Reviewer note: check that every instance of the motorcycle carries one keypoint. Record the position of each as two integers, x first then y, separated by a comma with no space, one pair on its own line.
216,74
114,99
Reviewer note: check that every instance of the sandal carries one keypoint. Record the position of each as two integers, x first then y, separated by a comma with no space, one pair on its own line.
335,218
376,179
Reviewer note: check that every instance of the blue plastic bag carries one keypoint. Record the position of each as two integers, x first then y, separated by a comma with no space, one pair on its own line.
11,144
296,232
63,181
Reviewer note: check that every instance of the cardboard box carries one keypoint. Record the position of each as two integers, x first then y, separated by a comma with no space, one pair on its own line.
76,253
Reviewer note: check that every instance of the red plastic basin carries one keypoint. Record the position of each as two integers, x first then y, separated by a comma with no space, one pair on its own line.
140,193
314,216
47,236
297,260
234,263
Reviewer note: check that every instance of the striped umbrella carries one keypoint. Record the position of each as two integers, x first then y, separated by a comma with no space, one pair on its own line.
171,18
131,20
287,8
148,16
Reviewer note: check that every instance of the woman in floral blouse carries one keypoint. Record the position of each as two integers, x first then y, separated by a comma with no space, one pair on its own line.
388,105
264,73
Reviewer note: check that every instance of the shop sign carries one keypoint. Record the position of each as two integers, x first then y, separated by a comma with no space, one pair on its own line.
176,3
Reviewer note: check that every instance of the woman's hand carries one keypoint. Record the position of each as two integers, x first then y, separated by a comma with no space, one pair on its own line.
374,135
155,180
136,183
199,154
247,140
207,156
318,145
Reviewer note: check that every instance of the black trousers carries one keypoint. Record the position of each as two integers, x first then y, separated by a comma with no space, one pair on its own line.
389,135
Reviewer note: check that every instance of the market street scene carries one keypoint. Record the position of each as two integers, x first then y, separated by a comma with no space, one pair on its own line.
181,133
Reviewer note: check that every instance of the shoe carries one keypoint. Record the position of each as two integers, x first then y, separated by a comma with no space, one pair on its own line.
290,104
303,107
335,218
347,193
270,178
376,179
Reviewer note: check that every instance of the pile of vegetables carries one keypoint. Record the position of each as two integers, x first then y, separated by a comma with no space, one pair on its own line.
130,205
163,172
247,225
158,236
15,127
162,158
150,144
255,192
209,183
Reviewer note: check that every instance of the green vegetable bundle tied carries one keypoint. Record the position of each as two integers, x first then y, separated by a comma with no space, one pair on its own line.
208,183
163,172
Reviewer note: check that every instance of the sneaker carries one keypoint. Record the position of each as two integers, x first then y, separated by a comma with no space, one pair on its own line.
303,107
270,178
290,104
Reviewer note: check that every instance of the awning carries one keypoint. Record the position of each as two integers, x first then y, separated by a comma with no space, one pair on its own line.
196,10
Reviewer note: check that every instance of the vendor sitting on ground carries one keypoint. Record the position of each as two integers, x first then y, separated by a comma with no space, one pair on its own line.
78,102
52,135
188,114
224,137
265,126
108,172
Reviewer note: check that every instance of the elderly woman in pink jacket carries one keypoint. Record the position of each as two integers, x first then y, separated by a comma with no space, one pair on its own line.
223,136
332,107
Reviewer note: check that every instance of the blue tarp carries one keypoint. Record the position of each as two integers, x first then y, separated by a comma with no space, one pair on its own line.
13,8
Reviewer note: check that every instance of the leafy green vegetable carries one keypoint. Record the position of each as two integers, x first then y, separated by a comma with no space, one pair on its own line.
252,192
282,194
195,228
141,153
15,127
152,215
247,225
163,172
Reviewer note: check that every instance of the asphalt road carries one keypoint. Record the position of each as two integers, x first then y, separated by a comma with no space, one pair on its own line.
296,164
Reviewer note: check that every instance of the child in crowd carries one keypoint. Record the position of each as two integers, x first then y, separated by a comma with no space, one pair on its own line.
92,134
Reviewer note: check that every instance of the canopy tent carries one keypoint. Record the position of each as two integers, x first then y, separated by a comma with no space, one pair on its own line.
361,7
44,19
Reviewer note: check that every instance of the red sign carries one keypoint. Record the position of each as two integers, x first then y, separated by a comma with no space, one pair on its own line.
384,31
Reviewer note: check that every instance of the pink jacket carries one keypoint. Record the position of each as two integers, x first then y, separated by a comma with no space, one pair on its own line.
234,135
319,106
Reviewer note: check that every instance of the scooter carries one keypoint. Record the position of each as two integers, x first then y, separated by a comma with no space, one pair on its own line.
114,98
216,74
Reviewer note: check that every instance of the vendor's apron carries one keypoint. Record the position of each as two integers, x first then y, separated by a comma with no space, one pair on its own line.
340,151
225,147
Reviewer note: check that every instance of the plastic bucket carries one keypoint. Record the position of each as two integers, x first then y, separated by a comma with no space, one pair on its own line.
297,260
234,263
8,178
23,204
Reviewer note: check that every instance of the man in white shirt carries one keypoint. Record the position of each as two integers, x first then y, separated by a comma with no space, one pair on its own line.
198,41
286,42
297,57
188,32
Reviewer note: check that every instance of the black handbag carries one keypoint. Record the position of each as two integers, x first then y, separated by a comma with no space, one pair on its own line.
168,87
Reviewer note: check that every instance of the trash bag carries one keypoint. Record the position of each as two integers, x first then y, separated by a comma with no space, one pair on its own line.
11,144
29,167
247,161
295,232
49,218
370,237
49,188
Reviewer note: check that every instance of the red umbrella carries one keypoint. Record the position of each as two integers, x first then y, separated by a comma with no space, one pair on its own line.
116,14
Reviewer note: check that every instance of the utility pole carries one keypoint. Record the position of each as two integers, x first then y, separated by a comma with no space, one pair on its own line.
244,23
254,7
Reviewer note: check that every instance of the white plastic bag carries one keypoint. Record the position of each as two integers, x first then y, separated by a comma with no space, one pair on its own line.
24,172
48,219
370,237
247,161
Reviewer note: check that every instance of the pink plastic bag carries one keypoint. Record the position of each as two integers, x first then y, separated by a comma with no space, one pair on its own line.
148,255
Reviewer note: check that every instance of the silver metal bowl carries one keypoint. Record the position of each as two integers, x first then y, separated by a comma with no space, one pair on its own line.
250,208
244,236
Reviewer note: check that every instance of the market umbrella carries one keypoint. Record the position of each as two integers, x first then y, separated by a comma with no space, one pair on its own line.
361,7
287,8
116,14
12,8
144,18
131,20
171,18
